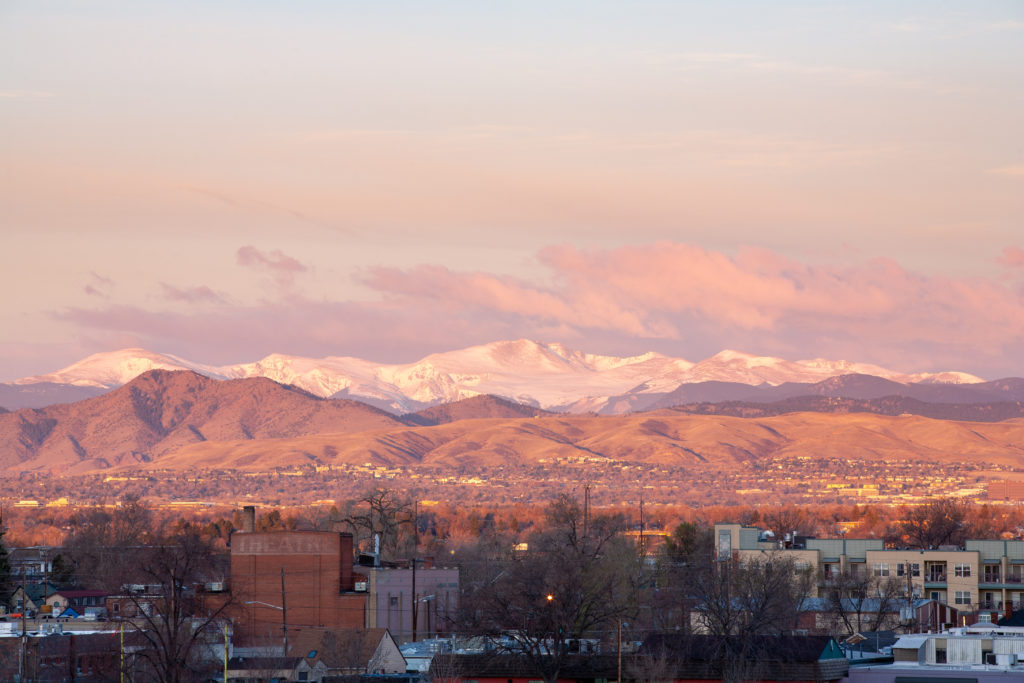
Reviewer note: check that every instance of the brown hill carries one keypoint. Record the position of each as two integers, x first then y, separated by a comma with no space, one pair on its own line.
477,407
888,405
161,412
711,442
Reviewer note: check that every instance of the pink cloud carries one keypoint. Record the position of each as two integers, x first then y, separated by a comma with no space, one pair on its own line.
671,297
283,268
1012,257
191,295
98,286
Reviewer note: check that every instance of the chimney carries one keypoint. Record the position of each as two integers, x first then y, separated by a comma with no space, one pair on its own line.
347,580
249,519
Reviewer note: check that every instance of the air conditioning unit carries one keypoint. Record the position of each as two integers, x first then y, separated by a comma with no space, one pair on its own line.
215,587
1006,660
361,587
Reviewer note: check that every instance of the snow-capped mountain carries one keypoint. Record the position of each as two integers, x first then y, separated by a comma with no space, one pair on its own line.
549,376
114,368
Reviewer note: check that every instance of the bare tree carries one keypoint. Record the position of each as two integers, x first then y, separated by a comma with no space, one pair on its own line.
102,539
786,519
668,593
385,513
938,522
178,627
751,597
569,585
856,599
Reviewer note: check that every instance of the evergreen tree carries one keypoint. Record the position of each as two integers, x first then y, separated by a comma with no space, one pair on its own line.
6,584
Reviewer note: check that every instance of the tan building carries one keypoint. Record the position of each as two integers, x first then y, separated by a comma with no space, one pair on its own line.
984,575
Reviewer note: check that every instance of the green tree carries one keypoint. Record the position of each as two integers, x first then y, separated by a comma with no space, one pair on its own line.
6,581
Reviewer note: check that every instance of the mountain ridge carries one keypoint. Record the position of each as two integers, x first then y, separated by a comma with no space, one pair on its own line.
550,376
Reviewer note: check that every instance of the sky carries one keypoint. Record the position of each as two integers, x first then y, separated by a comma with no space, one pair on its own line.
222,181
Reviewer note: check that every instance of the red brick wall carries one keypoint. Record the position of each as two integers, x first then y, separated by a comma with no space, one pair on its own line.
315,565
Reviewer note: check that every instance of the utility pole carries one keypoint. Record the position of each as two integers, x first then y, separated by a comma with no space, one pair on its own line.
284,614
586,508
415,550
24,631
642,549
618,648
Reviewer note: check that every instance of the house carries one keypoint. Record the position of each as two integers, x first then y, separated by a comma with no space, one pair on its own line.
349,651
84,657
75,603
129,605
276,669
32,564
823,616
32,598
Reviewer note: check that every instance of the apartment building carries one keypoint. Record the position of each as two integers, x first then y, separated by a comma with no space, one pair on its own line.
984,575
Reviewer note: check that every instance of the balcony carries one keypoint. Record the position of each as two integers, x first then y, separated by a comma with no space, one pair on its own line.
935,577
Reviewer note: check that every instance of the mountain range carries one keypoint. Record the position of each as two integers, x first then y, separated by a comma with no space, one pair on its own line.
548,376
184,420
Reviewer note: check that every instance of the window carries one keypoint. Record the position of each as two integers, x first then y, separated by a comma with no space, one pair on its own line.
303,675
724,544
915,568
881,569
962,598
962,570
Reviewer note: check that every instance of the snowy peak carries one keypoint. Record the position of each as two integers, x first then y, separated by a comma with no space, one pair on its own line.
115,368
544,375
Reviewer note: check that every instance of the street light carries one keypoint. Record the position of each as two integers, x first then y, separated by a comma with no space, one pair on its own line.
284,620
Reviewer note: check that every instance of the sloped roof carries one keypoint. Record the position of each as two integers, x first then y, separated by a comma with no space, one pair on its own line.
1015,619
321,640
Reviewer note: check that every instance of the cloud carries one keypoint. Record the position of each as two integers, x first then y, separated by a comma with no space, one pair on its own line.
667,291
671,297
1012,257
98,286
191,295
282,267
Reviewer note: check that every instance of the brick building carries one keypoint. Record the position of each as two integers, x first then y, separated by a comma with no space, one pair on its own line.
289,580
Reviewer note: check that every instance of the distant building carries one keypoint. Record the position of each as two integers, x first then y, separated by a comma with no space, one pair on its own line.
985,577
392,602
